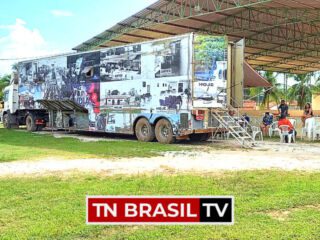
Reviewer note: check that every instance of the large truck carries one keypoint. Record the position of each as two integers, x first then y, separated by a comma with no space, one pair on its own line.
162,89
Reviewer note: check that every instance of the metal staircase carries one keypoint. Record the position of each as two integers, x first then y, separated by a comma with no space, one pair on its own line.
233,126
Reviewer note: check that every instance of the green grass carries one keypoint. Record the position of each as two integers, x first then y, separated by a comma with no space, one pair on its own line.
21,145
54,207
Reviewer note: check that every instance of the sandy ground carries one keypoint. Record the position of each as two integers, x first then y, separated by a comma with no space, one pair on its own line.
205,158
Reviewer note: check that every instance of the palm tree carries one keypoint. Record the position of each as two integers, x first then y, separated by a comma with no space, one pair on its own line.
271,94
302,90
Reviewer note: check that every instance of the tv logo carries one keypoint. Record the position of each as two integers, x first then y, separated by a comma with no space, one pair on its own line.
112,210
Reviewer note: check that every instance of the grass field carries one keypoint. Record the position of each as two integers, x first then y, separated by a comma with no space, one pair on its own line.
18,145
268,205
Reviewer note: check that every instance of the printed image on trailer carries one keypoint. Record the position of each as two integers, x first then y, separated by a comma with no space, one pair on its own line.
138,79
84,83
168,58
210,73
122,63
42,79
76,77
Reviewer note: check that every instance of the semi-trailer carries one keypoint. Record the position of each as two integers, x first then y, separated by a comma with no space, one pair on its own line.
163,89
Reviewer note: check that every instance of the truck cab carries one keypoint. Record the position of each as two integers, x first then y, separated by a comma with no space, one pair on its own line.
10,98
10,103
12,116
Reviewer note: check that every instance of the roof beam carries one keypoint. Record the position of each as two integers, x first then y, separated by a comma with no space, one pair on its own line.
277,69
296,57
315,65
262,20
167,11
293,38
272,31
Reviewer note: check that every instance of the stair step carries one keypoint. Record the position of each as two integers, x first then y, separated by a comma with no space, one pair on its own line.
236,130
245,137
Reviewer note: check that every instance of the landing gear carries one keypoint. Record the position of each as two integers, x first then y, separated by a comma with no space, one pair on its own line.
203,137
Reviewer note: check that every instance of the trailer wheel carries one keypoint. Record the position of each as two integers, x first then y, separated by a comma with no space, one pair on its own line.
31,123
164,132
144,131
6,121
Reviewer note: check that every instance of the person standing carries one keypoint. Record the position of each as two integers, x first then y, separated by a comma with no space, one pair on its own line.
283,109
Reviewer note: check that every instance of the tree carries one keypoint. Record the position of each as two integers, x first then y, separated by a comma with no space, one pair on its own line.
254,93
271,94
302,90
4,81
209,48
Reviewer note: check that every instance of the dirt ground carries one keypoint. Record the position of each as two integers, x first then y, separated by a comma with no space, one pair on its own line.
207,157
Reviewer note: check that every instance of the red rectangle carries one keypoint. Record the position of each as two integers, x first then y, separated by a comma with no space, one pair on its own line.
112,210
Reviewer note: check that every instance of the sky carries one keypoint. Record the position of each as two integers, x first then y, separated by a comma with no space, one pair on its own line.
33,28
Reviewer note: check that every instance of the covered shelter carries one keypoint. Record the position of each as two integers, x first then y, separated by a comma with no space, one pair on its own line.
280,35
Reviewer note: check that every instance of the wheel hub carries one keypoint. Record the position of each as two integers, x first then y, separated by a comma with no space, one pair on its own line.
165,131
144,130
5,121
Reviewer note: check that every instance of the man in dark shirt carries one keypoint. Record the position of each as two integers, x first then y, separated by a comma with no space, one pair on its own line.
283,109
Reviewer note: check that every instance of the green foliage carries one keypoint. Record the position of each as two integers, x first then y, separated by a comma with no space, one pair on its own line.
271,94
302,90
4,81
254,93
268,205
208,48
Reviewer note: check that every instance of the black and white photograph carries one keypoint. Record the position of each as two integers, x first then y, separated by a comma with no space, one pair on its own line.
167,59
84,68
122,63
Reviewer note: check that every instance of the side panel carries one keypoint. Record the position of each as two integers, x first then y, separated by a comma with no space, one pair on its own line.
116,85
83,83
58,78
146,80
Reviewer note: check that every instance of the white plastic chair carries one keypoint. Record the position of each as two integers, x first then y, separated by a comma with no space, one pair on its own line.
256,132
307,130
316,129
293,122
274,129
285,132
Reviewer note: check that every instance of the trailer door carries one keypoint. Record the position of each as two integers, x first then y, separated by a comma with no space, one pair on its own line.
210,71
236,76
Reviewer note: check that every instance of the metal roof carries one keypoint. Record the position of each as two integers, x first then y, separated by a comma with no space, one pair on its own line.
280,35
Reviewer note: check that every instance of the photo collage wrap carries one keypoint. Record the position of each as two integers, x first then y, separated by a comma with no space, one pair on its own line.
113,84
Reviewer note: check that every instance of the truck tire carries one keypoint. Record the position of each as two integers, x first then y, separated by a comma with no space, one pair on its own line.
164,132
144,131
6,121
31,123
